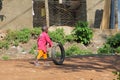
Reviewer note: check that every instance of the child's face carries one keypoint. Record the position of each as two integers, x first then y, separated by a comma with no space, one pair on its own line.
46,30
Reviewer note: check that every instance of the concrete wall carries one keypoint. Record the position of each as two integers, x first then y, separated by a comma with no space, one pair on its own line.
16,14
94,12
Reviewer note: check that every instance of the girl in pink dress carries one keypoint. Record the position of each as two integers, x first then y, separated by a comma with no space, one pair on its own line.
42,42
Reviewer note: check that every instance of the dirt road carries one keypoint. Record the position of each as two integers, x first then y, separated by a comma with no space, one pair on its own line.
79,68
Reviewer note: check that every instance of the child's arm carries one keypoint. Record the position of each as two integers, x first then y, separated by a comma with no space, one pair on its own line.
48,40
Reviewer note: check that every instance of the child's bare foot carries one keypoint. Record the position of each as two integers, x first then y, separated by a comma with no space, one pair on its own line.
36,64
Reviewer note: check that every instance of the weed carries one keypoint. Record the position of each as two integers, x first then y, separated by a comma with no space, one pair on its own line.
58,35
4,44
117,73
75,50
5,57
32,50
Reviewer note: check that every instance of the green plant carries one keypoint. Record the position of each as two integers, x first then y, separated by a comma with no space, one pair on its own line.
4,44
114,41
18,36
15,37
5,57
112,45
72,50
118,49
82,32
23,35
58,35
32,50
117,73
69,38
11,36
57,54
106,49
75,50
16,43
35,32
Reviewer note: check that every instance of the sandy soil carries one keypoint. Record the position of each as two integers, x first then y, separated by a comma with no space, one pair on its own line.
77,68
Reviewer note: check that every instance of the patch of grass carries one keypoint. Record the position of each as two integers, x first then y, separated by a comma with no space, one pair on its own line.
5,57
23,35
75,50
4,44
19,36
105,49
32,50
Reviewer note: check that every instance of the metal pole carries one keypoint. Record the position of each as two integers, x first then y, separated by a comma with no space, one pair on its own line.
118,14
112,16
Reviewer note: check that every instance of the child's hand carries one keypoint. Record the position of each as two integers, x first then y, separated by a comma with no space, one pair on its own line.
50,46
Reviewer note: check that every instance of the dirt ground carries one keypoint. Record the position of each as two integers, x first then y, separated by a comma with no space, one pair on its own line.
76,68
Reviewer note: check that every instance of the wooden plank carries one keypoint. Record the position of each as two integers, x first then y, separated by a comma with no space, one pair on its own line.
106,15
47,13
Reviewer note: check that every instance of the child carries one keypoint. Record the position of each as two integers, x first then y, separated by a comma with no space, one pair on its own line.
42,41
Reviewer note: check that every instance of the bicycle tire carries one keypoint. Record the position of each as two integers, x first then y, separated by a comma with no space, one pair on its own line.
62,54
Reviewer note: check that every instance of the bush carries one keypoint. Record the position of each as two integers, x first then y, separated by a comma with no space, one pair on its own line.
73,50
23,35
14,37
35,32
69,38
57,35
114,41
118,50
11,36
4,44
82,32
112,45
106,49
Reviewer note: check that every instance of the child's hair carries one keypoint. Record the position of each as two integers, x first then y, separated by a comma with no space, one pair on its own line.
44,28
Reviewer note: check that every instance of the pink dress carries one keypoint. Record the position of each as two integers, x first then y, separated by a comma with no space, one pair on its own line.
42,41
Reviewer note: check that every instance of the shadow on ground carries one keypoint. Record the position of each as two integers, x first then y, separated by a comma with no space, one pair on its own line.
76,64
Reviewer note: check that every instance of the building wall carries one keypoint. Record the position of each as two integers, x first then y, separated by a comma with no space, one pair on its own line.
16,14
94,12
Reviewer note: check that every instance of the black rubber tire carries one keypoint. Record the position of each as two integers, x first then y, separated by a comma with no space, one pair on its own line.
62,54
